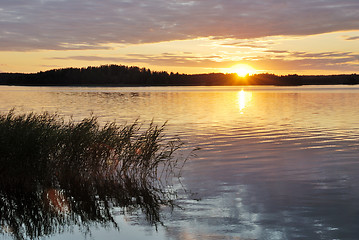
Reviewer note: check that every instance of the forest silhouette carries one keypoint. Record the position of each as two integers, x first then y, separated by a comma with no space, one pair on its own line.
120,75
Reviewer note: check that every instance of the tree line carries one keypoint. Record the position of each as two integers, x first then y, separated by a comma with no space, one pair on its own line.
120,75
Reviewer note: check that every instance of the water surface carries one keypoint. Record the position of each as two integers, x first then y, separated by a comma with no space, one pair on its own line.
275,162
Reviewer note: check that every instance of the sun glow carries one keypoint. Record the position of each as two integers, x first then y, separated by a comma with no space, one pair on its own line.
242,70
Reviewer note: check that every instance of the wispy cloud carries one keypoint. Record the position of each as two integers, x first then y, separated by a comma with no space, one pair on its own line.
352,38
331,55
164,59
277,61
276,51
84,24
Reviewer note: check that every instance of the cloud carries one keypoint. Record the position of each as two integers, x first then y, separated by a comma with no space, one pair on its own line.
276,61
303,61
329,55
352,38
276,51
51,66
339,65
164,59
90,24
244,45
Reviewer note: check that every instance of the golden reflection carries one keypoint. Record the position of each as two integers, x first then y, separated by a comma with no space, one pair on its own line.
243,98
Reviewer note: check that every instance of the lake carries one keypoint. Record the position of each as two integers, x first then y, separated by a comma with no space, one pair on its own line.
274,162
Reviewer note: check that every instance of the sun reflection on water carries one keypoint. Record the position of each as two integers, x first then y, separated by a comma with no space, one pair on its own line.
243,98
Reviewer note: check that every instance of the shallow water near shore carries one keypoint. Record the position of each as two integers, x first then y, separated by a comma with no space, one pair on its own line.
274,162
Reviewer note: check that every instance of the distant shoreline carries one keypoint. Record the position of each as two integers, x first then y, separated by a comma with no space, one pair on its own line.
124,76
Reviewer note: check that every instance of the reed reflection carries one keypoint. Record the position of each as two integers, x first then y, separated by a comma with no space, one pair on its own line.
56,175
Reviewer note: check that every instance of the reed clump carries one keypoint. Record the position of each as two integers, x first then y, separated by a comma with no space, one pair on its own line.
35,142
54,172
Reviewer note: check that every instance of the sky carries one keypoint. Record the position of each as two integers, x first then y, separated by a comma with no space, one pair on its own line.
185,36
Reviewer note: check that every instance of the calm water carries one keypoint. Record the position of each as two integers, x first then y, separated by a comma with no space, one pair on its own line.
275,162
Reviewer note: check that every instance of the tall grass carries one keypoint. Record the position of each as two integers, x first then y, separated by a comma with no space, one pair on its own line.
55,174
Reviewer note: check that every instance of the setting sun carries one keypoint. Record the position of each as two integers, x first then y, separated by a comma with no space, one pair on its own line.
242,70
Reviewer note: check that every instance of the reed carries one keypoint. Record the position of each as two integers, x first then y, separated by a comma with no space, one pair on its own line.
39,141
54,172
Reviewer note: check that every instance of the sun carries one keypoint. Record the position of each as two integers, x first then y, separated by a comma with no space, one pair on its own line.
242,70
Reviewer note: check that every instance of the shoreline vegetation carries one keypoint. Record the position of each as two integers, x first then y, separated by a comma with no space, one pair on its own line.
119,75
55,175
